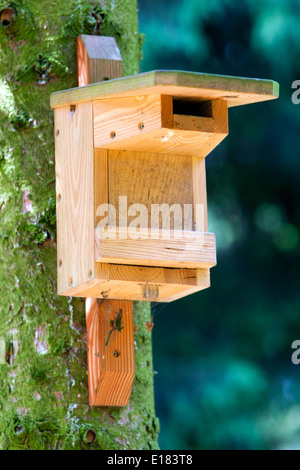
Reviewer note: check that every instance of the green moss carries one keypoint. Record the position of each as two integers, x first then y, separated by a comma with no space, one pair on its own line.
23,434
89,18
60,343
39,371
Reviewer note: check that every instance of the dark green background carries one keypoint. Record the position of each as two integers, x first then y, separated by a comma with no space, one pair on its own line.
223,356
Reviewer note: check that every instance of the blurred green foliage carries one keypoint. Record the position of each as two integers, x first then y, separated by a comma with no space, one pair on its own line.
223,356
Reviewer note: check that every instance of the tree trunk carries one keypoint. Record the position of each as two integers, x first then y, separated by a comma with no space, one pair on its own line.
43,360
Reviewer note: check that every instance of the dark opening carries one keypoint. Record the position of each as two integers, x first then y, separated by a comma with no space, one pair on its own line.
90,436
6,16
192,108
18,429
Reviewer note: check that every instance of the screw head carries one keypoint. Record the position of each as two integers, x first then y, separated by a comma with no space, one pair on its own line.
70,281
60,263
116,353
141,126
113,134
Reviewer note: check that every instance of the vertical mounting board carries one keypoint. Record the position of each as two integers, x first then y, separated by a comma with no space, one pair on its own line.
110,352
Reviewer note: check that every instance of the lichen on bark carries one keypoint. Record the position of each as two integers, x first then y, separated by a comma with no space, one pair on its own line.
43,380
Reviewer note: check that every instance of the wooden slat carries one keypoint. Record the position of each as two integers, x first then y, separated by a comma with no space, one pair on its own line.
153,275
100,180
137,124
110,356
190,250
171,141
126,282
74,190
132,290
236,90
98,58
119,119
110,359
149,178
200,222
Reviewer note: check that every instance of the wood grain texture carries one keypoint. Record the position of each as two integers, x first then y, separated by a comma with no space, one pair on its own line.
119,272
149,178
219,127
110,344
100,181
128,282
155,248
110,355
128,290
98,59
139,124
119,119
74,190
170,141
83,63
200,222
236,90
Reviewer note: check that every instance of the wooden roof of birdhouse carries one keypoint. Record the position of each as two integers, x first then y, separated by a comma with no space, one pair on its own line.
188,85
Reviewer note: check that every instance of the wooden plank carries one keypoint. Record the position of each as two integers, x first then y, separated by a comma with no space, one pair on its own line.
98,58
110,351
203,282
110,360
236,90
137,124
200,222
83,63
130,282
128,290
126,282
220,127
131,290
153,275
155,248
166,110
118,119
100,181
146,179
170,141
74,190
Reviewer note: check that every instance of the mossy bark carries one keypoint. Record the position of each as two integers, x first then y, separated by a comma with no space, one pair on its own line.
43,365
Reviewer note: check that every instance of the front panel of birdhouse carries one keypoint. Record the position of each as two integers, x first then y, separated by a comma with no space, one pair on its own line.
131,187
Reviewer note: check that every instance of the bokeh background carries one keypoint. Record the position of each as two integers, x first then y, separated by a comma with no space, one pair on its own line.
225,379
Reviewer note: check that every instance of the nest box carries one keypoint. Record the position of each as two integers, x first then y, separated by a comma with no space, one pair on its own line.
131,184
131,195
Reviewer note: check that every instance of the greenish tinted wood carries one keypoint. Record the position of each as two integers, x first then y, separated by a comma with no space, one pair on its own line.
237,90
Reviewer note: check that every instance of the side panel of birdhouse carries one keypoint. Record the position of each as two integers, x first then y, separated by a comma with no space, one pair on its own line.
75,195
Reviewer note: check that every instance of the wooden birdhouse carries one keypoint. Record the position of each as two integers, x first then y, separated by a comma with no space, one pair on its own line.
131,185
131,195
